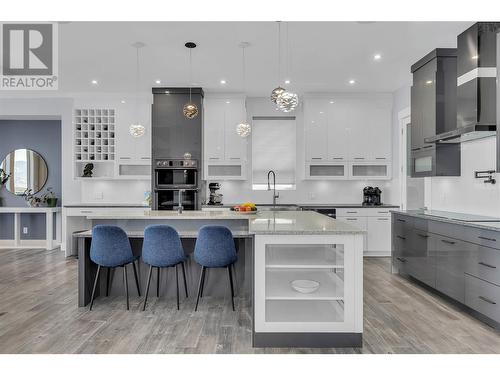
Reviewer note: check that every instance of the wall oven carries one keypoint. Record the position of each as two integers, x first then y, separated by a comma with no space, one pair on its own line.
176,174
175,184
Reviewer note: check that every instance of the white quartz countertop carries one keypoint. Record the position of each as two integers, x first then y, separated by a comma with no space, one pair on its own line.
264,222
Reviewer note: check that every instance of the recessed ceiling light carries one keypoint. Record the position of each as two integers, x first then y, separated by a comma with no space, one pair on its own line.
222,82
94,82
321,112
287,82
158,81
228,102
331,102
123,101
429,82
352,81
377,56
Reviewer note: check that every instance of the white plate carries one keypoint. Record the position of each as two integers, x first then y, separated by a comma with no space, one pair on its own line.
305,286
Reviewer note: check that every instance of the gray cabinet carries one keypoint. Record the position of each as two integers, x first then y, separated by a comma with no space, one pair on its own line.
460,261
451,260
433,111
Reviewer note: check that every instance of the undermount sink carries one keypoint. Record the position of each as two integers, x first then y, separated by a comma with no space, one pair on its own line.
278,207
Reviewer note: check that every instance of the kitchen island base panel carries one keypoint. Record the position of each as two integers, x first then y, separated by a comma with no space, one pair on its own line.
307,340
216,279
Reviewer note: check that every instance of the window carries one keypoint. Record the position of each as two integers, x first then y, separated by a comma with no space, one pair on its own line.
274,148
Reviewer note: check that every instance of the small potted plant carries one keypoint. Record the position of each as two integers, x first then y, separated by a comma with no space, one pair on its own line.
4,177
31,199
49,198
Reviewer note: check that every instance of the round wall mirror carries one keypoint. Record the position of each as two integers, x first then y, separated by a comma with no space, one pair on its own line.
27,170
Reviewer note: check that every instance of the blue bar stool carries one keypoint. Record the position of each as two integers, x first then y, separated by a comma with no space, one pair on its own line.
162,248
214,248
111,248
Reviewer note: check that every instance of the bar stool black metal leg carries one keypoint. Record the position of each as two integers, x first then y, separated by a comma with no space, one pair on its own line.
184,276
202,276
158,282
231,283
107,281
136,279
235,278
177,284
203,283
147,288
125,280
95,285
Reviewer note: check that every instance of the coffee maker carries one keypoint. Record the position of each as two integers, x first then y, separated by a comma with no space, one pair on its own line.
215,198
372,196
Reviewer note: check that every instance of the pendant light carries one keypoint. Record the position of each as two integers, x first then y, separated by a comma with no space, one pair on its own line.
278,91
136,129
243,128
190,109
287,101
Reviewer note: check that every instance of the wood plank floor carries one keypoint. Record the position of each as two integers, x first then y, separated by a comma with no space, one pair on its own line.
39,314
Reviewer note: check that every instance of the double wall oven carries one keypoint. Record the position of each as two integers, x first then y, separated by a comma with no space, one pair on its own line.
176,184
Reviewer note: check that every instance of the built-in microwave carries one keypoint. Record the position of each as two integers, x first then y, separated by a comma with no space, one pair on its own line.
436,160
176,174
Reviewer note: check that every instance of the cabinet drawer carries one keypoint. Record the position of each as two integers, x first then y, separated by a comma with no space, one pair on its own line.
358,222
80,211
345,212
482,237
483,297
402,225
484,263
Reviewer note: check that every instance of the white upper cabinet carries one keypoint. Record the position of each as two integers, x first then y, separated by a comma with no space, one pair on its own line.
351,130
316,127
225,151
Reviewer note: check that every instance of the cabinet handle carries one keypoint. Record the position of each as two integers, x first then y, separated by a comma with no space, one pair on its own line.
145,158
401,220
415,149
401,237
213,158
125,158
351,219
423,235
359,158
383,212
402,260
449,242
486,238
338,158
487,300
380,158
317,158
486,265
85,212
351,212
383,218
427,146
234,158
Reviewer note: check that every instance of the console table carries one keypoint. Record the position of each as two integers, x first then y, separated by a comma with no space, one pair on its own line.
49,243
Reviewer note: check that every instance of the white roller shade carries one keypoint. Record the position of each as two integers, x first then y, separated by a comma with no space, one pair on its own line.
274,144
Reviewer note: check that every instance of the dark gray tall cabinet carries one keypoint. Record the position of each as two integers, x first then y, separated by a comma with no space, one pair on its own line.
433,111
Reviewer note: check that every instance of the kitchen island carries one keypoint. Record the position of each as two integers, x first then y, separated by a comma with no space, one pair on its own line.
275,248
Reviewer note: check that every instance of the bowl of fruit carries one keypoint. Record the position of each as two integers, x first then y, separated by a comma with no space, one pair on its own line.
245,208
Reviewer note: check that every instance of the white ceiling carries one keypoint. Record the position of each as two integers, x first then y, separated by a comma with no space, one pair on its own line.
323,55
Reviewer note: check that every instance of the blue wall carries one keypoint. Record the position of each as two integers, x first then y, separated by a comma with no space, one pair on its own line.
44,137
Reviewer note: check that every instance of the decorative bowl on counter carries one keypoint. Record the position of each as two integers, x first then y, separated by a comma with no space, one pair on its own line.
245,208
305,286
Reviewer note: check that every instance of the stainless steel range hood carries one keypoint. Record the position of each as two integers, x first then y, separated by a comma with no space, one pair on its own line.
476,85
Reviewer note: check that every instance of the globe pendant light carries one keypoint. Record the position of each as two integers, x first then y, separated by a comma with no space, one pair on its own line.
278,91
190,110
137,130
287,101
243,129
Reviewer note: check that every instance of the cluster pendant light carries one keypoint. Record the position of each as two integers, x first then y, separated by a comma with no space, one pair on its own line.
243,129
137,129
285,100
190,110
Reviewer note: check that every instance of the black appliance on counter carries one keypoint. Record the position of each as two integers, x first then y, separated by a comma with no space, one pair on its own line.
215,199
372,196
176,149
175,184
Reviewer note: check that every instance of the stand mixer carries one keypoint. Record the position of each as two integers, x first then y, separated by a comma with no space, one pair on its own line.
215,198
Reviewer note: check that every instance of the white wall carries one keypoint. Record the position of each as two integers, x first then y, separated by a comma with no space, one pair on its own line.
307,191
465,193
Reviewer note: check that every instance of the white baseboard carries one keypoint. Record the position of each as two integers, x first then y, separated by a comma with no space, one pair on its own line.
377,254
25,244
